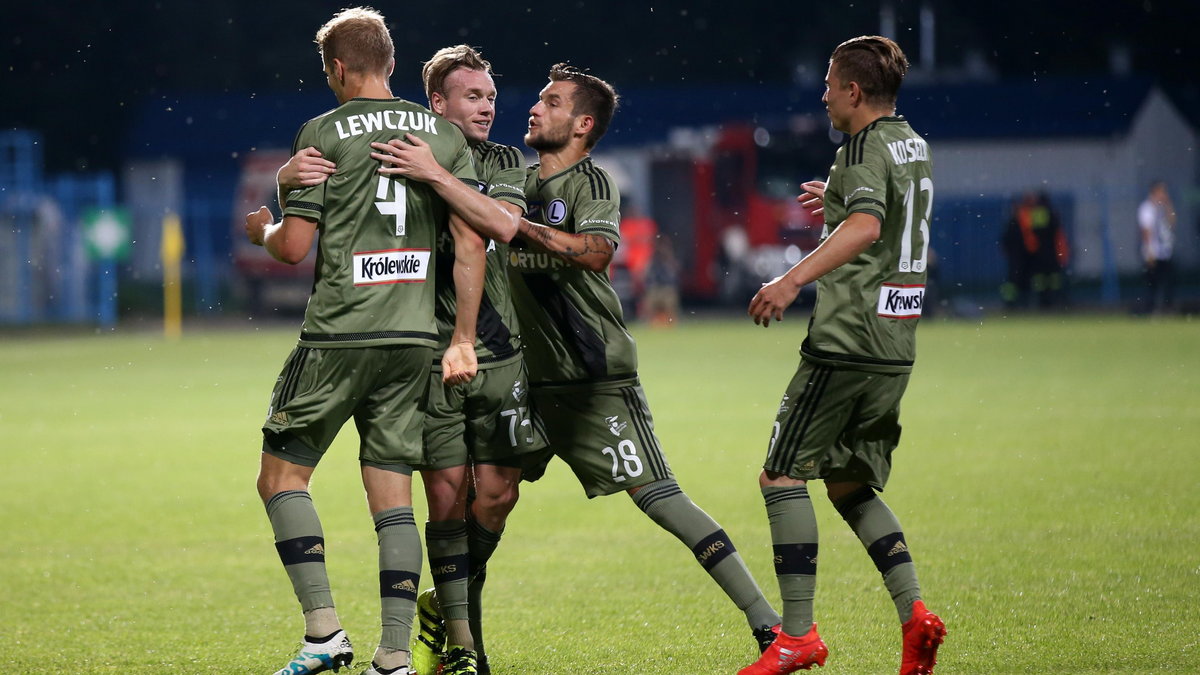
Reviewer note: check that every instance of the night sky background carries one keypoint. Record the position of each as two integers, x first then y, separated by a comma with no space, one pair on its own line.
75,71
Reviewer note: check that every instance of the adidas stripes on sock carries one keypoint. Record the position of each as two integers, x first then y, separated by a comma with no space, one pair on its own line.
301,546
481,544
667,505
879,531
794,541
447,542
399,575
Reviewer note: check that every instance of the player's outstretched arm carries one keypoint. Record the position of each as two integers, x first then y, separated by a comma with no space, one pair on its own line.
813,197
589,251
844,244
412,158
287,241
459,364
304,169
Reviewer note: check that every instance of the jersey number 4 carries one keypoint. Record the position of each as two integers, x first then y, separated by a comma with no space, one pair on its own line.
908,241
397,207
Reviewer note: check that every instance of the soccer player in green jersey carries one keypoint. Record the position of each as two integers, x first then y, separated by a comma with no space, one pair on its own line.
487,425
839,419
368,335
582,360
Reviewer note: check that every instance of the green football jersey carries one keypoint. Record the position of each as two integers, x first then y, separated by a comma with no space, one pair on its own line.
867,310
373,282
501,170
571,321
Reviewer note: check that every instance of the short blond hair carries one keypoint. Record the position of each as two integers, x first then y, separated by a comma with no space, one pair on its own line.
445,61
359,38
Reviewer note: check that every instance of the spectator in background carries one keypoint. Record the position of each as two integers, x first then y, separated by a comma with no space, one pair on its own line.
660,297
636,252
1054,256
1156,221
1037,251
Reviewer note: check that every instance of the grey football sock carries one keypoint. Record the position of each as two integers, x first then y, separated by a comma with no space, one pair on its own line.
399,575
794,541
301,547
447,542
667,505
879,531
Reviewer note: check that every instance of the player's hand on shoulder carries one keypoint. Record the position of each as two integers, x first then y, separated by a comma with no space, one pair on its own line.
813,197
459,363
305,169
256,225
771,300
410,157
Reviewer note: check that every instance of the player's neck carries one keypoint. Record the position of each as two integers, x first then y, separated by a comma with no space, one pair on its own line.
865,116
369,87
551,162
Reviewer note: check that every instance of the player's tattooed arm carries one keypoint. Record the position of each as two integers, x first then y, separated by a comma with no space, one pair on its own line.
589,251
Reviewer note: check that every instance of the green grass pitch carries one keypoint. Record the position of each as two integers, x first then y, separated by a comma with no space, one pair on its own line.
1046,481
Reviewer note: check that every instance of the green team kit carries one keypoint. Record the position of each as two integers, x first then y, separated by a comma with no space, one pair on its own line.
373,296
582,360
839,419
489,419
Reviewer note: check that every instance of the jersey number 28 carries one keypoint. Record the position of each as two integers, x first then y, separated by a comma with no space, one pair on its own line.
624,457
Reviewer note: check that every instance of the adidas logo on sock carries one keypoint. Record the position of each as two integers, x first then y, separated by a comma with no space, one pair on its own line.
900,547
405,585
319,549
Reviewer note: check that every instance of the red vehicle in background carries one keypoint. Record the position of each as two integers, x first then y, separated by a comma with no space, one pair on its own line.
727,197
265,283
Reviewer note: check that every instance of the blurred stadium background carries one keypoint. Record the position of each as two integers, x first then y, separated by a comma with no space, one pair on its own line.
124,119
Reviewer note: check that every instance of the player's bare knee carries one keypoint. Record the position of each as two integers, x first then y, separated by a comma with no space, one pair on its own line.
772,479
264,487
839,491
271,481
495,502
445,502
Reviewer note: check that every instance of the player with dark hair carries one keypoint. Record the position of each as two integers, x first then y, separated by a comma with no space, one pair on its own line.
839,419
368,335
582,361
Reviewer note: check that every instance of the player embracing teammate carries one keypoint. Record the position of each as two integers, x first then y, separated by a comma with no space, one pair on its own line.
581,359
409,213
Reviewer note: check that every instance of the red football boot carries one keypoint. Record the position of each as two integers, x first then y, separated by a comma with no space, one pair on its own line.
923,633
787,654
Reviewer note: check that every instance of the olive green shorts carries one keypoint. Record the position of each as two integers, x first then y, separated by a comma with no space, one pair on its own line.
489,420
383,388
838,425
605,435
